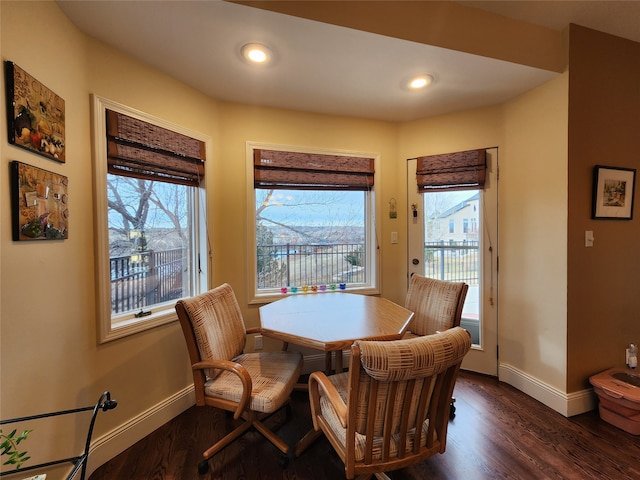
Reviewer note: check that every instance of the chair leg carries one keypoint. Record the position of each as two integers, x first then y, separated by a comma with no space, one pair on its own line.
272,437
306,441
251,420
226,440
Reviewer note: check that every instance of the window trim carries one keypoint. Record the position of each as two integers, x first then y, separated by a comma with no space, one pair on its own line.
110,328
373,285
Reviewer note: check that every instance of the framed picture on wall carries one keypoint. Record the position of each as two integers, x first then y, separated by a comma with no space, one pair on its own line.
35,114
613,193
39,203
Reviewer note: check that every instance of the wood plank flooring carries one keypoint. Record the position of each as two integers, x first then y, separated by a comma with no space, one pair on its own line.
498,433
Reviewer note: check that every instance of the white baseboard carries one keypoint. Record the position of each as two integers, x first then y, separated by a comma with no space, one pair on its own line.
563,403
119,439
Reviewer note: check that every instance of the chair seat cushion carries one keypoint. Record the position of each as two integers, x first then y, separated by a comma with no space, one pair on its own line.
341,383
273,376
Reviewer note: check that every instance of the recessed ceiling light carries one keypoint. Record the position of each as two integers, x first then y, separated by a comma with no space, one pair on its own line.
256,53
420,81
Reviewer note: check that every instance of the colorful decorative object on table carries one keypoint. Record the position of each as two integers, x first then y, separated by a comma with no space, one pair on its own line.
343,286
323,288
294,289
305,288
283,290
314,288
332,287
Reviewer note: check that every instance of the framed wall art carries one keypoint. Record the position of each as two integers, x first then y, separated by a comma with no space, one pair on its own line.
39,203
613,193
35,115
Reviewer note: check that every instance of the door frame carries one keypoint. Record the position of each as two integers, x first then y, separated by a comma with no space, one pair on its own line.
483,357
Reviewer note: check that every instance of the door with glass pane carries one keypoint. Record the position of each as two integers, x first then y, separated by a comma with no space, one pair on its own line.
453,236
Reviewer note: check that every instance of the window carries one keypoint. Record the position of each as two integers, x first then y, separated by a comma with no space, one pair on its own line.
452,225
150,218
312,223
465,225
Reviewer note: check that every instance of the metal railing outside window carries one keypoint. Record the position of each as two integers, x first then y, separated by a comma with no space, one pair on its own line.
147,278
452,261
144,279
291,265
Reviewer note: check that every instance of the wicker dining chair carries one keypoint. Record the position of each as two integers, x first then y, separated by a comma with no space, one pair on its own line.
251,385
436,305
391,409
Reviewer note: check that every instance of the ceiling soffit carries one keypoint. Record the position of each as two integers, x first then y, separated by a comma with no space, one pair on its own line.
441,24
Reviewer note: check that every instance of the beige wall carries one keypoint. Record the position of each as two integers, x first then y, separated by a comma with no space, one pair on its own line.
50,357
47,302
481,128
604,126
533,239
245,123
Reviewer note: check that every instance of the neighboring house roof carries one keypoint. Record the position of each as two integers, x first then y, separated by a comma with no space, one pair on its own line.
459,206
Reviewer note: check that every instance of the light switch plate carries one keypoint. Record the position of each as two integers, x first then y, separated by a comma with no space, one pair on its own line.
588,238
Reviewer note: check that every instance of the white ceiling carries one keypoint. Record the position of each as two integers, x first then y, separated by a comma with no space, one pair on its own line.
325,68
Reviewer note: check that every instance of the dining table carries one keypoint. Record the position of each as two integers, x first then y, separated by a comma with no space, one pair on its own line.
331,322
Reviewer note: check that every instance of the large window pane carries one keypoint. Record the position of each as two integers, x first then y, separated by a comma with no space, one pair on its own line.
308,238
453,253
150,237
150,233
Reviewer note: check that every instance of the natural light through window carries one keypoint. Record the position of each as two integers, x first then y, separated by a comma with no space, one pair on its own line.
150,236
452,241
313,239
150,218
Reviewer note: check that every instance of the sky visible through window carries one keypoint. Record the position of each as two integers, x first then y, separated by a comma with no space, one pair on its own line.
311,208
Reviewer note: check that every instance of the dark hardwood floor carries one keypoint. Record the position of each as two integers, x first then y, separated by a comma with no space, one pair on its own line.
498,433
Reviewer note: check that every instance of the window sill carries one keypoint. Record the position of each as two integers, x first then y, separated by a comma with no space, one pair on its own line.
264,298
131,325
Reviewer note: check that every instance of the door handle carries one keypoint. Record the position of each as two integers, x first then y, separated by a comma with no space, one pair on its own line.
415,261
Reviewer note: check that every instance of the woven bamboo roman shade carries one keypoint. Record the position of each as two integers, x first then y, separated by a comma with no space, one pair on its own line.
311,171
139,149
459,171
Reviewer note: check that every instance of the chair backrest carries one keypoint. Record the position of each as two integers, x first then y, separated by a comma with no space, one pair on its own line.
212,325
399,398
436,304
